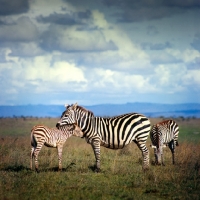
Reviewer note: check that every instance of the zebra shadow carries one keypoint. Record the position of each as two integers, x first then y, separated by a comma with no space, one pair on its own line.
15,168
56,169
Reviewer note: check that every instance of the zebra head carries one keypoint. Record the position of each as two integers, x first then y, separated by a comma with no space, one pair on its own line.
77,131
68,116
77,114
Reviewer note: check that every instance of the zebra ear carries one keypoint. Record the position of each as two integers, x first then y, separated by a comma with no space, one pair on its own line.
66,105
75,105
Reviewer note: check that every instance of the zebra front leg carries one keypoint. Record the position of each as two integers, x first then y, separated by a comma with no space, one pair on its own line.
59,148
96,147
162,157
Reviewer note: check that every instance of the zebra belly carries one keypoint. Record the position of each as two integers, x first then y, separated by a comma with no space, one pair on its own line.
113,146
48,144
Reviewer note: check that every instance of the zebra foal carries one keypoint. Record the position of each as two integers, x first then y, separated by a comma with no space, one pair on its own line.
51,137
164,134
113,133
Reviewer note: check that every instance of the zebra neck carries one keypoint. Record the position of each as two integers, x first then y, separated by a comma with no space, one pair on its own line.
65,131
87,125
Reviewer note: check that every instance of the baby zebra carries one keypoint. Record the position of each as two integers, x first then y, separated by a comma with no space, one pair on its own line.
51,137
164,134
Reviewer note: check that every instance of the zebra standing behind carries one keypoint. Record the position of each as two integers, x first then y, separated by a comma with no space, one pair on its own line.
113,133
164,134
51,137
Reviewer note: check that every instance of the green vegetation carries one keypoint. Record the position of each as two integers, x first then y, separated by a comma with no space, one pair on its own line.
121,176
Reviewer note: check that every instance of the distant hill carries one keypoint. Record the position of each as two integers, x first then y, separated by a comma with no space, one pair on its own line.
148,109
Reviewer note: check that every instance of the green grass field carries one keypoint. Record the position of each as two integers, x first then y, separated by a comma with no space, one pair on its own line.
121,174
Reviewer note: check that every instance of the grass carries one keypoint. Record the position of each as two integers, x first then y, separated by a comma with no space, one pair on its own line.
121,176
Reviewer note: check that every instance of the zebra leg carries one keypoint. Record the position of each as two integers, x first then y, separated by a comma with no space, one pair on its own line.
36,152
59,148
145,154
156,156
96,147
31,160
172,148
162,157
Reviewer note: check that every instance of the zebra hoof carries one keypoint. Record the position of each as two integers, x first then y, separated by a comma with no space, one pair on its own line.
145,168
97,170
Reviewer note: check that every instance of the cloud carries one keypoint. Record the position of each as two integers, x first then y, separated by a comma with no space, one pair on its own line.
135,11
156,46
111,81
164,58
71,18
10,7
196,42
164,80
30,49
22,30
39,75
73,40
195,64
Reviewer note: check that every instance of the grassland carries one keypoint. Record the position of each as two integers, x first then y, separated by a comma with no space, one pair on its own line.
121,176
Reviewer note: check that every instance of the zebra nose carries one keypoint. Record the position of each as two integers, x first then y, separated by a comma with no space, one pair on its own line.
57,125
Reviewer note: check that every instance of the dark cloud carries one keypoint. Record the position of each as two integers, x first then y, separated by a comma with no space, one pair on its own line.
156,46
196,42
57,38
152,30
135,11
65,19
182,4
22,30
153,3
10,7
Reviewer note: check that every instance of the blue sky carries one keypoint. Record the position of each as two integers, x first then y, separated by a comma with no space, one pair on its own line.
96,52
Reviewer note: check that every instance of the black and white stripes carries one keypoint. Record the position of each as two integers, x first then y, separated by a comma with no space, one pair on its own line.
164,134
114,133
51,137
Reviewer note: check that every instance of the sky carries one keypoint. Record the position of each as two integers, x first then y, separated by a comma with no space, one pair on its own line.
99,51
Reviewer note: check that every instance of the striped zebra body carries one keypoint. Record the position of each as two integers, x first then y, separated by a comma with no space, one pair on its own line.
113,133
164,134
51,137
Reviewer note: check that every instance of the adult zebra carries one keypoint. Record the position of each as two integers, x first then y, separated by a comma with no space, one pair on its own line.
51,137
113,133
164,134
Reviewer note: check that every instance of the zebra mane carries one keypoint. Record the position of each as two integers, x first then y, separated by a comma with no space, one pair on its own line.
84,109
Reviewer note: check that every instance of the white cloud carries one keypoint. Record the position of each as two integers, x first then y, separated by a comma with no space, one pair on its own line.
104,80
170,78
192,79
187,55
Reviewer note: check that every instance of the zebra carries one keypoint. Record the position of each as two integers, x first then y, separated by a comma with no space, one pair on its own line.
114,133
51,137
164,134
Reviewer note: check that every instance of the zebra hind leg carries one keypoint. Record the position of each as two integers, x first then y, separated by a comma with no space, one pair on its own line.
32,155
96,147
172,148
145,154
36,152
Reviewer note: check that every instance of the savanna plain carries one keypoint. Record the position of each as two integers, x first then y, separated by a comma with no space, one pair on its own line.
121,175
